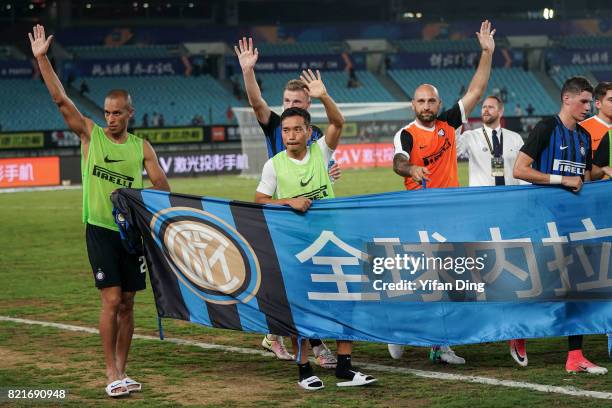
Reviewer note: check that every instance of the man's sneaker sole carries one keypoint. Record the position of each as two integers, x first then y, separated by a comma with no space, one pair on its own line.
522,361
585,370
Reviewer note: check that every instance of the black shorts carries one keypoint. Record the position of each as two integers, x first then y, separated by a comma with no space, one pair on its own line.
111,264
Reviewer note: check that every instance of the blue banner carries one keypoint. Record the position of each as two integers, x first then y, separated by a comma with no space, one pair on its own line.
255,268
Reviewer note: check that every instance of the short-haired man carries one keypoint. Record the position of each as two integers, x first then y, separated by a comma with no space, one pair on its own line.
598,127
425,149
297,93
558,151
492,152
283,177
491,149
111,158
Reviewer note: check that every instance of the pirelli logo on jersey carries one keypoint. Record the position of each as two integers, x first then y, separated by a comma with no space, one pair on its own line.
317,194
568,166
432,158
113,177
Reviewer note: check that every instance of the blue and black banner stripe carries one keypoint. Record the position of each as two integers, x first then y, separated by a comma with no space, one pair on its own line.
268,311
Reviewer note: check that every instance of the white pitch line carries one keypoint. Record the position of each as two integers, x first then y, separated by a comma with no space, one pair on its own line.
32,189
576,392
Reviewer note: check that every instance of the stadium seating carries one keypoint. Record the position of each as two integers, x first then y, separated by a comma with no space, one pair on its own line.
124,51
523,87
178,98
336,82
301,48
370,90
467,45
586,42
601,72
26,105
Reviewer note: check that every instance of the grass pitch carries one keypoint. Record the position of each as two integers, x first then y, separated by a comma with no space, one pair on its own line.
44,275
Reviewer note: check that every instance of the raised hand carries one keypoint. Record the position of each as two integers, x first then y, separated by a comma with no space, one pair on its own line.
316,88
485,36
40,45
246,53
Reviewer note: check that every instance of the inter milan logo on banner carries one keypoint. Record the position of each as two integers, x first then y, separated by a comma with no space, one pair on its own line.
207,255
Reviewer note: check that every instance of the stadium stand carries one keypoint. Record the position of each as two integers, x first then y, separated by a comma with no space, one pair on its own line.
336,82
178,98
585,42
124,51
438,45
302,48
523,88
26,105
600,72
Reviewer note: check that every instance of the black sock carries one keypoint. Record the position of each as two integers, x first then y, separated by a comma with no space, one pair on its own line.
305,370
344,367
315,342
574,342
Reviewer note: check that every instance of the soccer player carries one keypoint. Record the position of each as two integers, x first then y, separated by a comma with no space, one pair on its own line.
283,177
297,93
425,149
111,159
558,151
492,150
598,127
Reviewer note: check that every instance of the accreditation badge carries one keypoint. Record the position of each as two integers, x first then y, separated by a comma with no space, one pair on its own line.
497,166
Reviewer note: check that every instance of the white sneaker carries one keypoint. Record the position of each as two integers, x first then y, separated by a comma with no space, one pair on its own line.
276,346
445,354
324,357
395,350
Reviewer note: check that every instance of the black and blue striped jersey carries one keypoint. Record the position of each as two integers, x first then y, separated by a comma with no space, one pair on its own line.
274,136
555,149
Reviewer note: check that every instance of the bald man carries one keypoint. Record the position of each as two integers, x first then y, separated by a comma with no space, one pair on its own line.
425,149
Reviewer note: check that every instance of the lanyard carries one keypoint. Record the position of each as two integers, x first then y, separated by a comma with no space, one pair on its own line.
501,142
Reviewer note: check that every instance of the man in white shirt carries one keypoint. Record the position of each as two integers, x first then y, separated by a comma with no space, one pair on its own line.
492,150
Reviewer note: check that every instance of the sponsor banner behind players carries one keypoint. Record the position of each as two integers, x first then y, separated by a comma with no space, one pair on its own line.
363,155
29,172
124,67
269,269
16,69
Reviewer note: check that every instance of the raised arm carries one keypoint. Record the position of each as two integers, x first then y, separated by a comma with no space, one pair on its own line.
247,56
78,123
154,170
480,79
316,89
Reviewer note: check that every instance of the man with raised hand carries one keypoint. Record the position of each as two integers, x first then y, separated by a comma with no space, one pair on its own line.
297,93
295,177
111,158
558,151
425,149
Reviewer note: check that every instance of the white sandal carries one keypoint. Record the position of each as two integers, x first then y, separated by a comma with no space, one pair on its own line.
310,383
131,385
358,379
115,385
